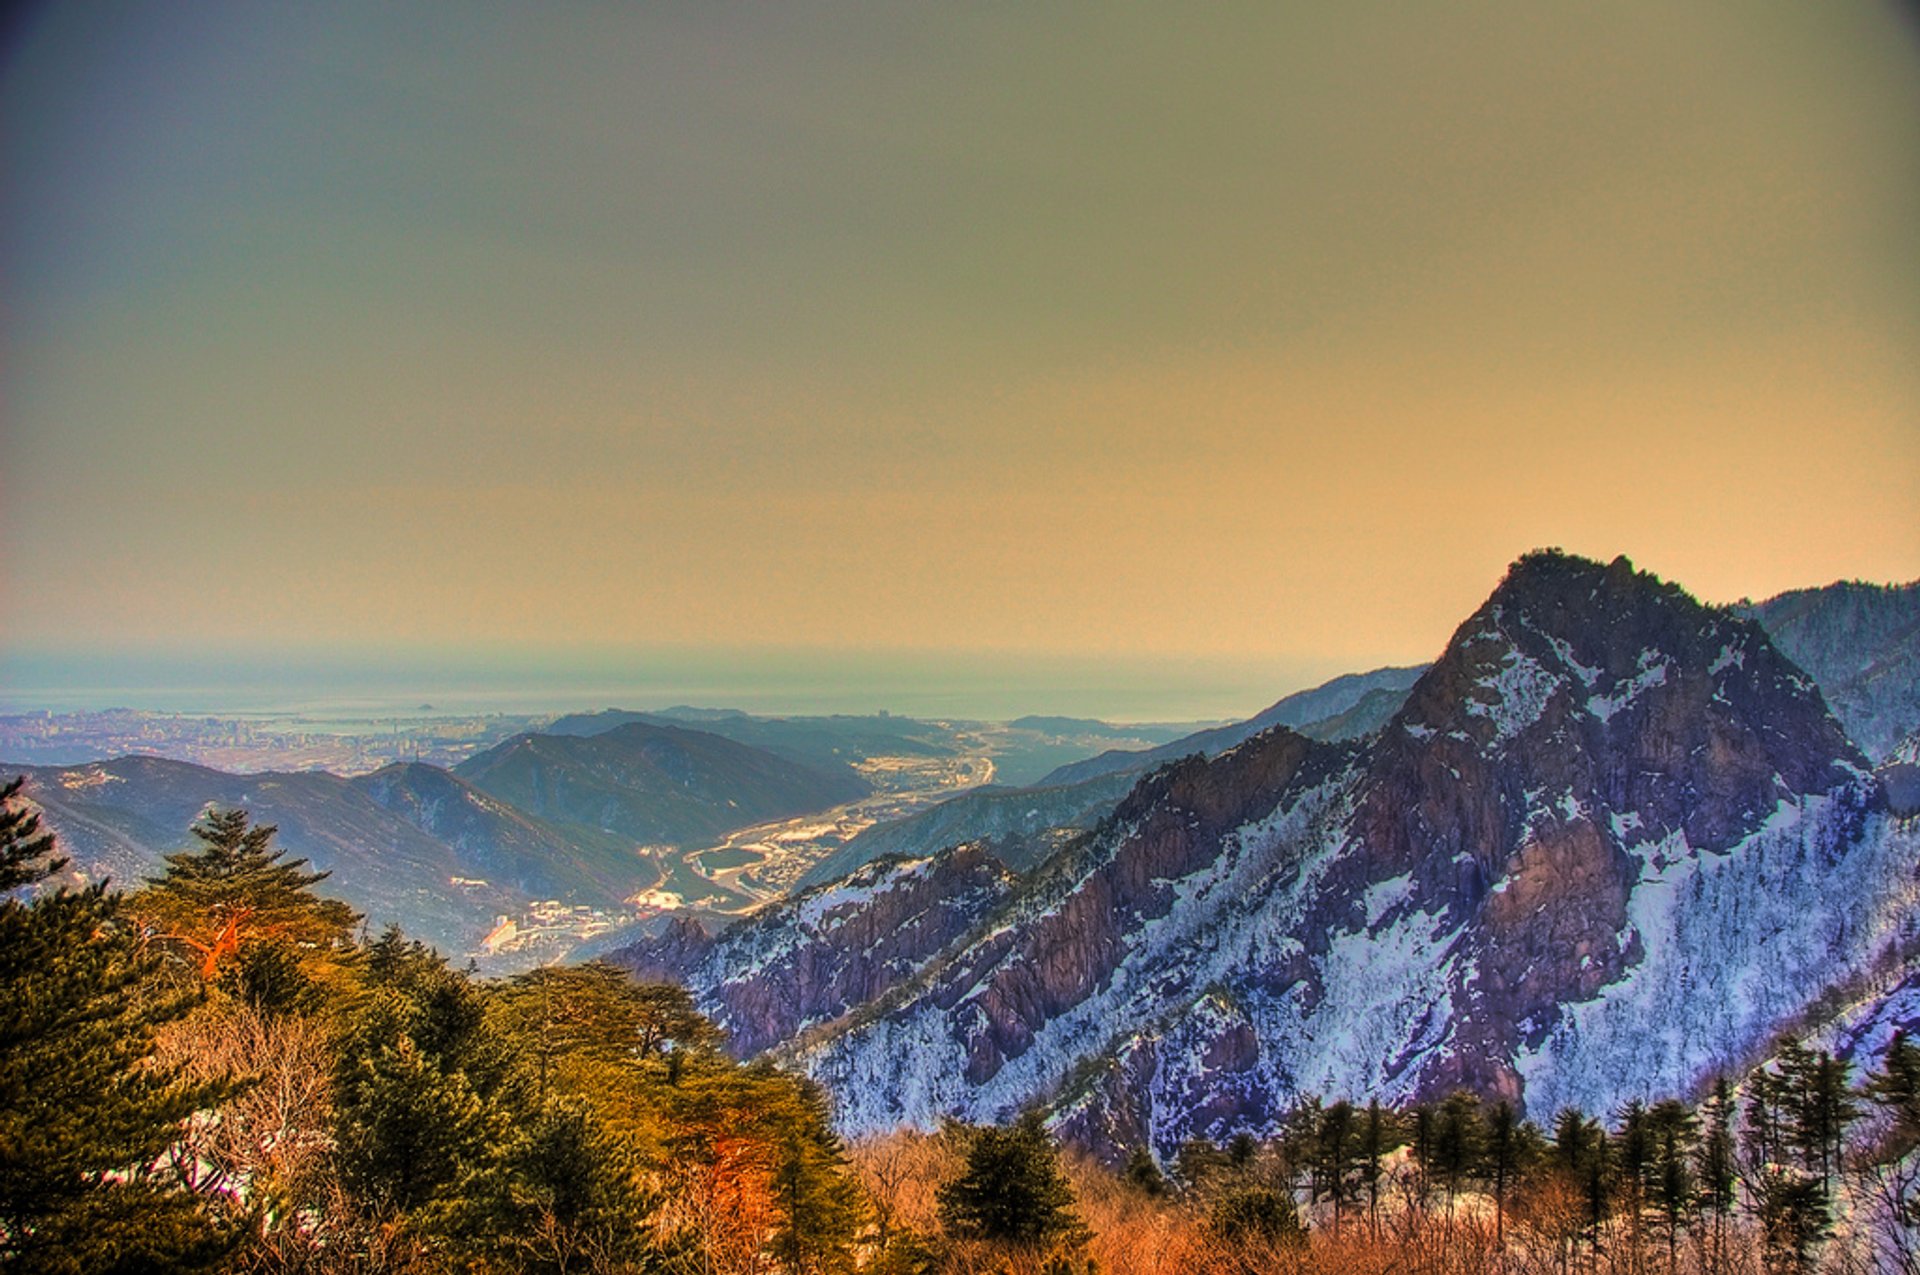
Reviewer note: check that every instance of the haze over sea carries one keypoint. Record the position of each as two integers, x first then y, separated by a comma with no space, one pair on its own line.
973,685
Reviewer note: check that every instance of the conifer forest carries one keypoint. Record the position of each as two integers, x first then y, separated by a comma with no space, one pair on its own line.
220,1071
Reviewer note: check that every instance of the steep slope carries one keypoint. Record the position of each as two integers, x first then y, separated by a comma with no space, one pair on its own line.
1861,643
1612,840
1348,707
832,949
394,841
653,783
506,846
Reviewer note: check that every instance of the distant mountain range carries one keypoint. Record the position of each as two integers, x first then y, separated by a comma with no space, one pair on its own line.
443,852
1348,707
561,813
1861,642
395,841
650,783
1610,842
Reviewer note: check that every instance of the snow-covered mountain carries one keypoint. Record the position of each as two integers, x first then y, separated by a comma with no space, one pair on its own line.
1861,643
1612,841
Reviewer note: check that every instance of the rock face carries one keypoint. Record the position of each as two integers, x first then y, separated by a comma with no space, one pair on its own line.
830,950
1611,841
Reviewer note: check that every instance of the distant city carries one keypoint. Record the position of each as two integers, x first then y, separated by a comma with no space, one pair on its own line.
344,746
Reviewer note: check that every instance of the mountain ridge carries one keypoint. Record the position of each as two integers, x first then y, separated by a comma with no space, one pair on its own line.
1600,784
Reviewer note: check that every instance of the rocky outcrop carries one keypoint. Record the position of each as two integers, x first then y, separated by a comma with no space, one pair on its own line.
1611,840
772,977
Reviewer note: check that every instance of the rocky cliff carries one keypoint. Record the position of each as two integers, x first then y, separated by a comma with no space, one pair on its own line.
1612,840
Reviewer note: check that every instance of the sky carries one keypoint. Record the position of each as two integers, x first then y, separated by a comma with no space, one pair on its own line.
1233,345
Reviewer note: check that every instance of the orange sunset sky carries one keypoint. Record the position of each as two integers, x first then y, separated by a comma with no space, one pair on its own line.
1252,333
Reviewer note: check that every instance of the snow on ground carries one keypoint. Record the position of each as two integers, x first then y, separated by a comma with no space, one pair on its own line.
1734,945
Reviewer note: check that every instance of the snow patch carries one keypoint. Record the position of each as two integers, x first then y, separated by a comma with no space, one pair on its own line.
1652,672
1521,689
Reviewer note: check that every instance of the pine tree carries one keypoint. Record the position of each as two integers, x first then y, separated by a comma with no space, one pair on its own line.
1198,1161
1762,1124
84,1115
1715,1165
820,1208
1143,1174
1333,1158
1011,1189
1581,1153
561,1193
235,890
1508,1147
1794,1218
1825,1110
26,853
1379,1134
1456,1143
1257,1214
1632,1147
1672,1129
1895,1089
411,1130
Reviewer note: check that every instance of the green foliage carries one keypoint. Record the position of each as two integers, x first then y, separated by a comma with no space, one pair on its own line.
1143,1174
85,1118
1257,1213
1011,1189
1455,1141
562,1193
26,853
1895,1089
412,1129
1794,1218
1715,1166
1199,1160
234,891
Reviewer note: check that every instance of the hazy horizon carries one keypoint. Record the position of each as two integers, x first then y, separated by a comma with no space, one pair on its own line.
981,686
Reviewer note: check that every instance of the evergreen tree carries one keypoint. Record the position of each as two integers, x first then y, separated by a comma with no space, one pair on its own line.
235,890
26,853
1011,1189
1794,1218
1198,1160
1762,1127
1509,1145
85,1116
1257,1214
1379,1134
1895,1089
1456,1142
1581,1154
1632,1147
1143,1174
1673,1130
1823,1110
1333,1158
820,1209
561,1193
411,1130
1715,1165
